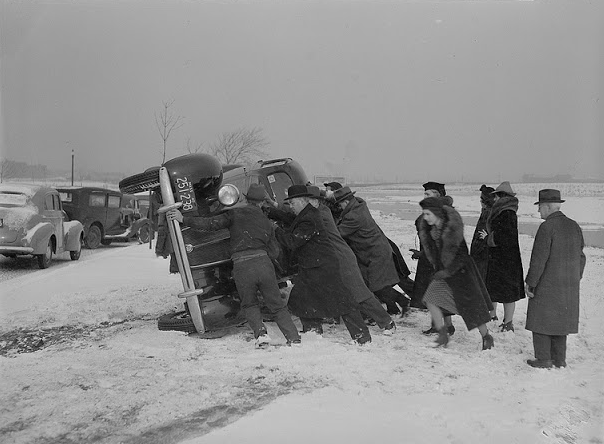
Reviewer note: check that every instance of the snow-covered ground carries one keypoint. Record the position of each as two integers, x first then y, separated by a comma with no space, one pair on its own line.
111,376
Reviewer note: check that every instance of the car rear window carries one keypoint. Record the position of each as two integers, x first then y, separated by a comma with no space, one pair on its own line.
13,200
66,197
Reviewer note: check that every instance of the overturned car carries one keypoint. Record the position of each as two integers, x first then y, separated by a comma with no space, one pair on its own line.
197,184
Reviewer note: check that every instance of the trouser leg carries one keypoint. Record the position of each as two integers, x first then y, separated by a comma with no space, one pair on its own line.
558,350
372,308
542,345
263,269
356,326
247,286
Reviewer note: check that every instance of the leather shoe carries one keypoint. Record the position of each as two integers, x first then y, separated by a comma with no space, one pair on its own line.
536,363
430,331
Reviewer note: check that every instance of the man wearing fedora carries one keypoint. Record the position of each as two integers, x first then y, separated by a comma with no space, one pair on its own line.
252,238
552,282
372,250
328,282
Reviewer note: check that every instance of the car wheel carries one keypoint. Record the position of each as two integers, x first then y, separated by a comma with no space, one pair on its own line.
149,180
44,259
143,235
93,239
179,321
75,254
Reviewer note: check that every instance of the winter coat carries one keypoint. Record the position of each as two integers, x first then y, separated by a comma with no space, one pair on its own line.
557,264
504,275
369,244
320,288
479,249
450,258
248,227
423,272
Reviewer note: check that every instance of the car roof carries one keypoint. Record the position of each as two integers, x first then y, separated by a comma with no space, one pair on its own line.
83,189
24,188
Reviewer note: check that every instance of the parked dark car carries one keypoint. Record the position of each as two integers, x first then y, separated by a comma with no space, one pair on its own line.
103,213
198,184
32,221
140,207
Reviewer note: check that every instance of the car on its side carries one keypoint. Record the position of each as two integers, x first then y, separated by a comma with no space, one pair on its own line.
103,213
199,185
32,222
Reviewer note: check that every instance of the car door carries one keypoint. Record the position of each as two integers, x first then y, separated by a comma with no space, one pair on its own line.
97,207
54,214
114,214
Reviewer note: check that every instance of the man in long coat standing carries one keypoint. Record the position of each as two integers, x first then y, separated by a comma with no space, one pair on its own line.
552,282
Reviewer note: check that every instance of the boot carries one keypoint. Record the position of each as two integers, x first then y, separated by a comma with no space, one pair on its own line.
443,337
536,363
487,342
506,326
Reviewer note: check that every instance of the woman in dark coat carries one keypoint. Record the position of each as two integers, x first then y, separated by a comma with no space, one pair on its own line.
479,249
456,286
326,284
504,275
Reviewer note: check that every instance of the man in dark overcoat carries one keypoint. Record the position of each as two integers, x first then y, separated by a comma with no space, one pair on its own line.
552,282
371,248
325,286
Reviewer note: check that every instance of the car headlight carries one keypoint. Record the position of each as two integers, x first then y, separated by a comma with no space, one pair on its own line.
228,195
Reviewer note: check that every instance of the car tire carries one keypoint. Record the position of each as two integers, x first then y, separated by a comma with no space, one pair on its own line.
93,238
148,180
45,259
144,234
179,321
75,254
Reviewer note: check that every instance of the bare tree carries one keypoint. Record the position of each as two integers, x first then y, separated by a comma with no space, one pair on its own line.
240,146
7,169
190,149
166,122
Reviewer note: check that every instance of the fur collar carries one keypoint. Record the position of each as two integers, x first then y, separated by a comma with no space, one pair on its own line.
505,203
443,255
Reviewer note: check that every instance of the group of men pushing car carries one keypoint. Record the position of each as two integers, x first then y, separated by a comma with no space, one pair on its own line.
347,267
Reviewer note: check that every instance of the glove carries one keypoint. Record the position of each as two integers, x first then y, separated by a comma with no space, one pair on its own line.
416,253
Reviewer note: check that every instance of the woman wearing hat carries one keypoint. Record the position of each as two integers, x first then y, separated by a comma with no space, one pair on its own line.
479,249
328,279
456,286
504,274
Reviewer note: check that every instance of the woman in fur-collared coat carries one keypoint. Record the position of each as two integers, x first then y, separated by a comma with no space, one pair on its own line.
456,286
504,275
479,249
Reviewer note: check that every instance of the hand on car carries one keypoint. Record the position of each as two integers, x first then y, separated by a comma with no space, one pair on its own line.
482,234
174,215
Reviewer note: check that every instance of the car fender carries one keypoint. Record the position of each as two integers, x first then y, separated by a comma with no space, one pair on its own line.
38,237
138,224
73,233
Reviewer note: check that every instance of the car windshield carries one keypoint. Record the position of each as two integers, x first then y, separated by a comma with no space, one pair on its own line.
13,199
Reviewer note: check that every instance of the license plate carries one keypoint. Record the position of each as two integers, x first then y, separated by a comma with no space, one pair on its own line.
185,194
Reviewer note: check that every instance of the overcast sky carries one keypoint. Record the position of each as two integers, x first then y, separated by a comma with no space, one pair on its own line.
410,90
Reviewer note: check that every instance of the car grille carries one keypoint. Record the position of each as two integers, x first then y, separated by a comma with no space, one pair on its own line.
206,247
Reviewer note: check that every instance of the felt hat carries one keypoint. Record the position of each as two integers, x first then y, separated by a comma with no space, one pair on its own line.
333,185
301,191
440,187
342,194
504,188
434,204
256,192
549,195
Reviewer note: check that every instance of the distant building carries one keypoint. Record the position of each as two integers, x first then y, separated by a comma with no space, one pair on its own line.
320,180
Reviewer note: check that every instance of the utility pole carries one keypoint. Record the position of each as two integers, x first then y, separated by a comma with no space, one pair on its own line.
72,156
